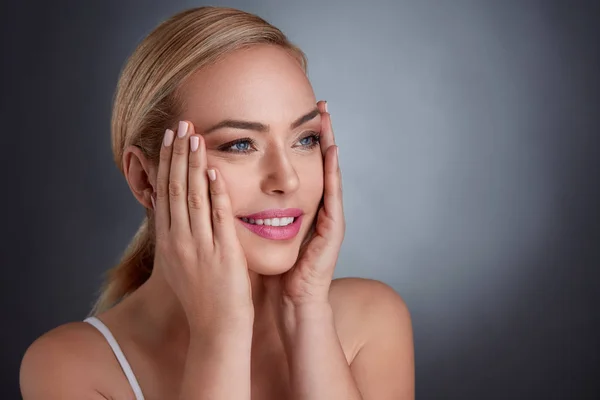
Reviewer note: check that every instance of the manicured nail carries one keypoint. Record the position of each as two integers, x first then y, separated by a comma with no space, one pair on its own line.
153,202
212,175
169,135
182,129
194,142
326,107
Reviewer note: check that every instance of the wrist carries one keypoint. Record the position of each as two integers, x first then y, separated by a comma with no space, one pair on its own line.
309,312
304,322
220,341
229,329
294,317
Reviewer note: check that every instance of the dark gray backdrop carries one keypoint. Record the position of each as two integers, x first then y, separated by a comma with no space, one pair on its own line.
469,146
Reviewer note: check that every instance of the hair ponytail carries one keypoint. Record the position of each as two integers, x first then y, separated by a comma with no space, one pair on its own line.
131,272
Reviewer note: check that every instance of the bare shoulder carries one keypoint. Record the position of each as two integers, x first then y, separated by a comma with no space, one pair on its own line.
363,293
374,324
352,299
359,298
70,361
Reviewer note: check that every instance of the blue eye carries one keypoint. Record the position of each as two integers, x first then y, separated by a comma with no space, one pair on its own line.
309,144
241,146
303,141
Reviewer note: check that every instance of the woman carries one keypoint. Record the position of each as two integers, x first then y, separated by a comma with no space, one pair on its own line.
226,291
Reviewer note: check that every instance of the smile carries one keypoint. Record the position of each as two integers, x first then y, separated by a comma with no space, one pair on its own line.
277,224
270,221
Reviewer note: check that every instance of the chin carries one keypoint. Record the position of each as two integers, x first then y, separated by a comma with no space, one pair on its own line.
272,261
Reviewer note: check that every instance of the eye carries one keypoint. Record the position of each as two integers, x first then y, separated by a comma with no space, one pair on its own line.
310,141
243,145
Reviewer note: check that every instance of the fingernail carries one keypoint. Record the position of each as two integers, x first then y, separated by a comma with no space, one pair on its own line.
212,175
182,129
194,142
169,135
326,106
153,202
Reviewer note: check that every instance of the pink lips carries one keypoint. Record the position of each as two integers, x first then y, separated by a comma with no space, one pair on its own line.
276,232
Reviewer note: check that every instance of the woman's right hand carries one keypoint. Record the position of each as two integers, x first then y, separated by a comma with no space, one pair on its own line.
197,249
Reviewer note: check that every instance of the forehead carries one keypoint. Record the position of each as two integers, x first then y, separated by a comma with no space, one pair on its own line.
260,83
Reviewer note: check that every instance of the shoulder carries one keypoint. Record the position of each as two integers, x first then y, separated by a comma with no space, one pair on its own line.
361,297
363,289
357,300
67,361
377,321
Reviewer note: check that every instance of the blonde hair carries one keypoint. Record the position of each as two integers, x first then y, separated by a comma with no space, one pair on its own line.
147,101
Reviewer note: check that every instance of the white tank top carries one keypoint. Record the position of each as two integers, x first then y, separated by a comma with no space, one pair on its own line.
119,354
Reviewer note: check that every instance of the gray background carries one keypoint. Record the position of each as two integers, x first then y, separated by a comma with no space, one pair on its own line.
469,145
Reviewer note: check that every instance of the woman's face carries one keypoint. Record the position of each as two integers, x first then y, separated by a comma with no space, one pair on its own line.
278,164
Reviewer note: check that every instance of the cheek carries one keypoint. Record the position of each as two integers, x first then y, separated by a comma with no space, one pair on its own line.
311,179
240,185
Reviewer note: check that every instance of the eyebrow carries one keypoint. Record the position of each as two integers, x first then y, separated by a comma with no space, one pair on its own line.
259,127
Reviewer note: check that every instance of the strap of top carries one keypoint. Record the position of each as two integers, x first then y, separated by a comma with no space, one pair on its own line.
119,354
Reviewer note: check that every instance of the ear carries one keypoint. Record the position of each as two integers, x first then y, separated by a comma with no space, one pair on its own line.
140,174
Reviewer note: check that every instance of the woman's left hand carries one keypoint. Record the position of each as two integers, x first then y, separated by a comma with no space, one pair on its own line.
308,281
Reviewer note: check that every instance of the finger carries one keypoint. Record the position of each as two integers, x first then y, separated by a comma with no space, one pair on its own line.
161,209
332,196
327,138
322,106
223,221
198,200
180,217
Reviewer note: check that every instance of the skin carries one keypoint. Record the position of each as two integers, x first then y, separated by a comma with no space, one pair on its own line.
354,335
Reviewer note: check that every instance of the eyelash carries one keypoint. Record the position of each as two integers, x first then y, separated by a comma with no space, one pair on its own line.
227,147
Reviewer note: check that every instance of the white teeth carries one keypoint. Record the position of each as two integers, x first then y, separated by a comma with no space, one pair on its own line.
270,221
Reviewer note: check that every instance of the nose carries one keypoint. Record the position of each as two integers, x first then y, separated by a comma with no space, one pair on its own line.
280,176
